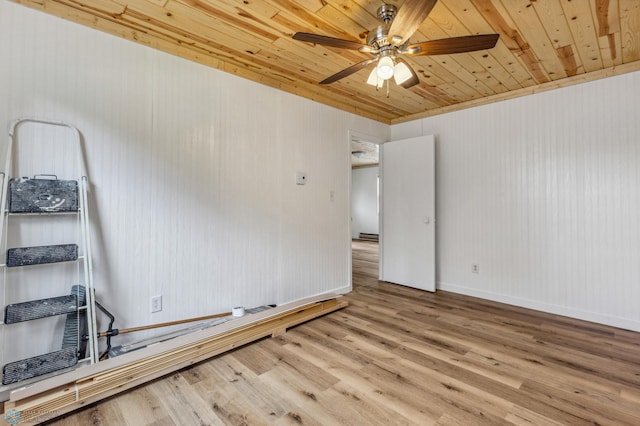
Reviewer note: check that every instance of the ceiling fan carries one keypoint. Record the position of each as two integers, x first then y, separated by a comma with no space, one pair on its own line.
390,40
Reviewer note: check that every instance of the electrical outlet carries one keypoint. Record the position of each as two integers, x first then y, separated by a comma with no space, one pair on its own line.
475,268
156,304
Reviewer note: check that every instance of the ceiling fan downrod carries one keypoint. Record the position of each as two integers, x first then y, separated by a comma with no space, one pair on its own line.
378,38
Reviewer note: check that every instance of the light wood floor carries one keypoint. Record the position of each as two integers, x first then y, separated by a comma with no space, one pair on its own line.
401,356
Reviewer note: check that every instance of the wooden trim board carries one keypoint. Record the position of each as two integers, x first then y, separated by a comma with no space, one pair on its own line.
73,390
525,91
91,370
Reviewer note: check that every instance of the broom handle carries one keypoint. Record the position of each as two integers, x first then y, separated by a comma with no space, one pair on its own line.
165,324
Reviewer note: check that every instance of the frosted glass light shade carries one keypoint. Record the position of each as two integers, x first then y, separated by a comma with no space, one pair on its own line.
384,70
373,77
374,80
401,73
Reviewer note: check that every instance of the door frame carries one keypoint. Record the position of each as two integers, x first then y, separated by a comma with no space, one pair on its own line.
354,134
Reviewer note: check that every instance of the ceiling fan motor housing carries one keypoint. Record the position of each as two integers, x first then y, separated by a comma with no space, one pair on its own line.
378,37
387,12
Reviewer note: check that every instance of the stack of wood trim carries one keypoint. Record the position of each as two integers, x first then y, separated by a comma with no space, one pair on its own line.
67,392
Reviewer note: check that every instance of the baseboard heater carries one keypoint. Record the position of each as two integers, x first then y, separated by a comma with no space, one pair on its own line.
368,237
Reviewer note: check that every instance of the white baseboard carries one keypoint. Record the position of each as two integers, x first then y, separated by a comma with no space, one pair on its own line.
343,290
612,320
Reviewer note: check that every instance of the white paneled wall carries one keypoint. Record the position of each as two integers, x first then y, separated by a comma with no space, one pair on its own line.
192,171
543,192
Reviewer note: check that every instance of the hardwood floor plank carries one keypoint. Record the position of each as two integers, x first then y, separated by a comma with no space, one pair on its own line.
391,396
442,394
301,366
181,401
522,417
401,328
347,398
454,352
142,407
106,413
301,394
400,356
255,358
237,396
322,355
587,409
357,408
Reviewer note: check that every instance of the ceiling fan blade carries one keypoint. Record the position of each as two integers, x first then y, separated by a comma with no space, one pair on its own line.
411,81
347,71
411,15
328,41
447,46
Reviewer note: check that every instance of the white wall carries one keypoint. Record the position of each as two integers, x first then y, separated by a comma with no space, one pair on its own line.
544,193
364,201
192,171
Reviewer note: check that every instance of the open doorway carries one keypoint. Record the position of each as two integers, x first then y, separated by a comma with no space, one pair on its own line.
393,209
365,189
365,207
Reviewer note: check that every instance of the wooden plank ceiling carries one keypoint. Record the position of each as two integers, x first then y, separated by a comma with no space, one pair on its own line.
543,44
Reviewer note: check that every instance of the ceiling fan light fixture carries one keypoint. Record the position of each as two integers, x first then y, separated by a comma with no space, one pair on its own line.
401,73
384,70
373,78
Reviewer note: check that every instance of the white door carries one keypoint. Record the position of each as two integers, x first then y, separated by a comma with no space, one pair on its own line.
407,213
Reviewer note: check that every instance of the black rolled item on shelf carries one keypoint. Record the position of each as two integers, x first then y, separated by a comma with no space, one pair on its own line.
35,309
38,365
42,195
25,256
